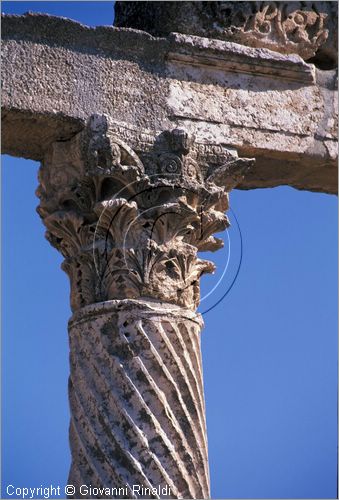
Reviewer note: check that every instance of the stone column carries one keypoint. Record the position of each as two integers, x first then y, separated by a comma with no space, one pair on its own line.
129,227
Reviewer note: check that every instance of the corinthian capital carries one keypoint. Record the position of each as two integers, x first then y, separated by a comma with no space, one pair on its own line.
130,226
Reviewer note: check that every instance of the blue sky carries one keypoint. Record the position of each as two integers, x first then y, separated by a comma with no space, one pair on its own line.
269,349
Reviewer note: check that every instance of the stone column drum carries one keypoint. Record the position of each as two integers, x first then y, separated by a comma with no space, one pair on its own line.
129,227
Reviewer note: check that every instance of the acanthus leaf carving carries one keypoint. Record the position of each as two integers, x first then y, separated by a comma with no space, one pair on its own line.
129,226
286,27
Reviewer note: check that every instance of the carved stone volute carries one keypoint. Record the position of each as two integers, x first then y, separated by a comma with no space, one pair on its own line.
131,226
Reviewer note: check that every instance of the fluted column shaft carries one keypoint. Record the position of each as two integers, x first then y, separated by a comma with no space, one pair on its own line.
136,397
129,227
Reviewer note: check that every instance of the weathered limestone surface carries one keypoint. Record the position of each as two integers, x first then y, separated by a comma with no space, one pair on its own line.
267,105
309,29
137,402
141,139
130,227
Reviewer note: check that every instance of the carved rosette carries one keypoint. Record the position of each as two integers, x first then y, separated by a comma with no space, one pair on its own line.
287,27
305,28
129,226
